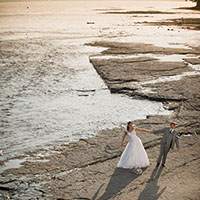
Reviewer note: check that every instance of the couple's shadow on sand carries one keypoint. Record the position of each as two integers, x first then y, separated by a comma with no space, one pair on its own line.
123,177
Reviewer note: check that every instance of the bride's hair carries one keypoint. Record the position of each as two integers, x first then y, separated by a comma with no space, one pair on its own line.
128,125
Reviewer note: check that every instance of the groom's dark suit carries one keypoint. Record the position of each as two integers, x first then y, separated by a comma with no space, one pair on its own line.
169,138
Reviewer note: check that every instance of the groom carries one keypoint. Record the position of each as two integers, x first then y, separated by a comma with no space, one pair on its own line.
169,138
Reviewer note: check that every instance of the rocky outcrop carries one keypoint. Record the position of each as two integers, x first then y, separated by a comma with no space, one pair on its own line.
136,48
34,177
184,23
136,69
187,88
176,84
139,12
103,147
104,181
146,76
87,169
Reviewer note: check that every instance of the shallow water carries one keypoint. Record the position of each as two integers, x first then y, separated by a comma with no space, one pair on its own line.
167,78
15,163
50,92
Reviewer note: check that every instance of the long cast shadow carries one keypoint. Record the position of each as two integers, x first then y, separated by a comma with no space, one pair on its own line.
151,190
119,180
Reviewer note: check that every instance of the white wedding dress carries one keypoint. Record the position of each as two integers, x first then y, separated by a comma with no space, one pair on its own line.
134,155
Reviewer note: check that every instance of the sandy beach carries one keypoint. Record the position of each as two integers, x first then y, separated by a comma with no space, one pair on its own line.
155,74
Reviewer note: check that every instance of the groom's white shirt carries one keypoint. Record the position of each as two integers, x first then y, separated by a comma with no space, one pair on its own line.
172,130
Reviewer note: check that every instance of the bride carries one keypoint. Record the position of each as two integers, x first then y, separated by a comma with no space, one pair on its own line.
134,155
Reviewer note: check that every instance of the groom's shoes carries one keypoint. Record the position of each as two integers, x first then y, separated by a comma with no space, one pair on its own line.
163,165
157,164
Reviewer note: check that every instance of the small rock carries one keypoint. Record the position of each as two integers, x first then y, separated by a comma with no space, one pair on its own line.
90,22
174,106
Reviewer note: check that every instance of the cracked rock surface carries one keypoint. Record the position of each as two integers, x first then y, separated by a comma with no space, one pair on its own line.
104,181
150,78
87,169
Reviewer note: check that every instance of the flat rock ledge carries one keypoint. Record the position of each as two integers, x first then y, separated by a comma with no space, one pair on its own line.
176,84
87,169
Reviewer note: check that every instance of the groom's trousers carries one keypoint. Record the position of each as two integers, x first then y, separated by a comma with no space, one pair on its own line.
164,149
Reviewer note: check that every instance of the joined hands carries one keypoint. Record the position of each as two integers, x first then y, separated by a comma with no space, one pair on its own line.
150,132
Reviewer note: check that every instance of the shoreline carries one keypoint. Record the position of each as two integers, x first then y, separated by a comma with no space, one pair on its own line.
89,158
86,169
